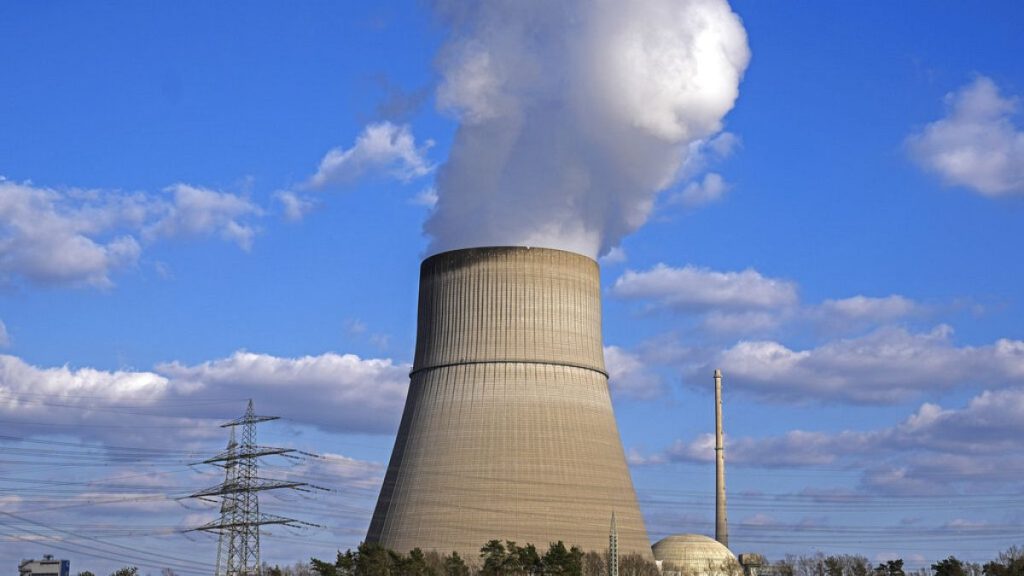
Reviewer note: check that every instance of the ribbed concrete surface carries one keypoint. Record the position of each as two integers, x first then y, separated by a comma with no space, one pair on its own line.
508,429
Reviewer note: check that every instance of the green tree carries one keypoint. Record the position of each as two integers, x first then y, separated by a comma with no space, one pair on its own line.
85,573
455,566
514,559
415,564
494,557
833,566
859,566
560,560
319,566
346,562
949,567
529,560
373,559
126,571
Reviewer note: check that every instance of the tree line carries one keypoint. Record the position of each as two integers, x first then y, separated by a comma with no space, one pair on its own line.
1008,563
498,558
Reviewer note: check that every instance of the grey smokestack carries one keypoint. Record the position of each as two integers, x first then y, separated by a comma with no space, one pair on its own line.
721,522
508,430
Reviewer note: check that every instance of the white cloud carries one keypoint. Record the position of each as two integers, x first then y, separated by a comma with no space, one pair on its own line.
759,519
196,211
26,387
72,237
295,207
340,392
575,115
867,308
977,144
700,289
629,376
616,255
343,393
80,237
887,365
350,472
750,303
933,447
745,322
382,148
708,190
10,503
426,197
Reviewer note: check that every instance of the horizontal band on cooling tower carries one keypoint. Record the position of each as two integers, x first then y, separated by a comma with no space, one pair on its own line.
541,362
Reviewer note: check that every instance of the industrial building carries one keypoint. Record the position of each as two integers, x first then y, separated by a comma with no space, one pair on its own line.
508,430
48,566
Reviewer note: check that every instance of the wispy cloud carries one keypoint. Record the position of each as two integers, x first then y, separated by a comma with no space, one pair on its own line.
629,376
693,288
293,205
383,149
749,302
195,211
933,447
711,188
81,237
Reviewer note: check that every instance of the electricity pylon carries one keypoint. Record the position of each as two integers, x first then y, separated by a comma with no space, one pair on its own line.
613,549
238,549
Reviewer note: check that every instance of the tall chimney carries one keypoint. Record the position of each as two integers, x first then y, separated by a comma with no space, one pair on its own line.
721,522
508,431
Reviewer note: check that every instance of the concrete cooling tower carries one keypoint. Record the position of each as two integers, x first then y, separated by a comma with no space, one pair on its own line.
508,431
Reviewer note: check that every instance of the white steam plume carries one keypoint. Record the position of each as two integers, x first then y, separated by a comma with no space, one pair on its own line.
575,114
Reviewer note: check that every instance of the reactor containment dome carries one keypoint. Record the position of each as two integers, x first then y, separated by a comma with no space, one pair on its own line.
694,555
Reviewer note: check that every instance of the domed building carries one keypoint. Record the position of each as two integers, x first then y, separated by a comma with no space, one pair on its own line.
694,555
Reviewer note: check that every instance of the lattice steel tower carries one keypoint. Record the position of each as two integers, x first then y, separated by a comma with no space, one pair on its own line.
238,550
613,549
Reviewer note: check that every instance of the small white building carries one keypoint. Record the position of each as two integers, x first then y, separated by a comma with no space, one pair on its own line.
48,566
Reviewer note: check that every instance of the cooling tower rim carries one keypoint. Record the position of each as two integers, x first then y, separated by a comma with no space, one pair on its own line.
501,248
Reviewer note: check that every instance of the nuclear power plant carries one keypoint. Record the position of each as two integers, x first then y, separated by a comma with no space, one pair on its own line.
508,431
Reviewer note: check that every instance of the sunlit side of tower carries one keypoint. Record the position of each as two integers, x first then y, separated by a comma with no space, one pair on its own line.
508,430
721,521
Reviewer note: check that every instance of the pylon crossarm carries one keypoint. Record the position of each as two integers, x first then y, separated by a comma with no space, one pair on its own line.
255,452
218,525
248,419
237,487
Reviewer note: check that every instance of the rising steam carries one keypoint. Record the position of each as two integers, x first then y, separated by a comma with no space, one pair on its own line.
575,114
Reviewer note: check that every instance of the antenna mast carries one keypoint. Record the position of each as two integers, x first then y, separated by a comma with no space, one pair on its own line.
238,549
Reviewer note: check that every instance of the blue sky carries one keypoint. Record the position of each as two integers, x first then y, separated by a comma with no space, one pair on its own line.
207,203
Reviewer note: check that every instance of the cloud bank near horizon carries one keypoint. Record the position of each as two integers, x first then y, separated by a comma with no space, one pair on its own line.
573,116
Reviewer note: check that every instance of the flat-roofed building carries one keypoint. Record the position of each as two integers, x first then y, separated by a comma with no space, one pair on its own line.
48,566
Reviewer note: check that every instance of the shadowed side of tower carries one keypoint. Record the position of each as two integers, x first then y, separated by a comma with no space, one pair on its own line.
508,430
